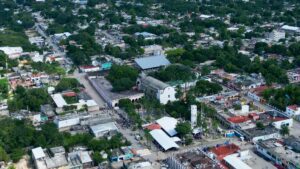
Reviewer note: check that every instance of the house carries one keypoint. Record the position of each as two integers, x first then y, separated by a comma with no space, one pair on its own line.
146,35
279,153
12,52
124,153
80,160
292,110
156,88
43,160
153,50
222,151
87,69
60,36
151,62
256,93
276,35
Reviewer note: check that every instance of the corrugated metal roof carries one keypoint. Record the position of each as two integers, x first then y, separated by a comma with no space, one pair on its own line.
168,124
163,139
152,62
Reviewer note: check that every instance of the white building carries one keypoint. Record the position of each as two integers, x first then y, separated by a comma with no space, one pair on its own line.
101,130
276,35
168,124
285,122
153,50
156,88
87,69
12,52
290,29
292,110
61,103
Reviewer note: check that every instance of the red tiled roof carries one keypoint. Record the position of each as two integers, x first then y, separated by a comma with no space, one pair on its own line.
293,107
87,67
69,94
260,89
238,119
153,126
224,150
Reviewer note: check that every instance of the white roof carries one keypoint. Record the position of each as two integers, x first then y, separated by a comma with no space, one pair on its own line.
38,153
291,28
236,163
90,103
104,127
11,50
163,139
59,100
168,124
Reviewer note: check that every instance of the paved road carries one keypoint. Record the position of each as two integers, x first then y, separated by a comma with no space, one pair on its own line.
88,88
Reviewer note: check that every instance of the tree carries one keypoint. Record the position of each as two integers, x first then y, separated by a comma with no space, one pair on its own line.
122,77
284,131
260,125
3,155
67,84
97,158
183,128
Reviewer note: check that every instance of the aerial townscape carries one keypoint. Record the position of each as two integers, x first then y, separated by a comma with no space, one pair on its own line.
149,84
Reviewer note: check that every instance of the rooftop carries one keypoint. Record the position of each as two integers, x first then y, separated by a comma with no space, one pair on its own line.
163,139
224,150
277,148
152,62
168,124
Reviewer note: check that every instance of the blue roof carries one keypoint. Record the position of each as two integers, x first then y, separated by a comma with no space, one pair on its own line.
152,62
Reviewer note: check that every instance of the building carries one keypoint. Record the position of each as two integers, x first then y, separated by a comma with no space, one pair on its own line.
43,160
62,105
168,124
256,93
153,50
124,153
221,151
255,134
235,161
80,160
146,35
195,159
163,140
276,35
152,62
278,152
12,52
292,110
101,130
87,69
156,88
104,89
290,29
38,41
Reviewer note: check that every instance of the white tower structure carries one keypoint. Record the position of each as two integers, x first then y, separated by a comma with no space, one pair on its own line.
193,116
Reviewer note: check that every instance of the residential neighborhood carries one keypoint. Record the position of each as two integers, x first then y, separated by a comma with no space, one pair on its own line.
147,84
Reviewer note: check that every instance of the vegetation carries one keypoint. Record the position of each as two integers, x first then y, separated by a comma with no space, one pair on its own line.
49,68
20,134
122,77
67,84
284,131
30,99
183,129
11,38
129,108
175,73
283,97
3,88
204,87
